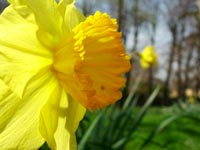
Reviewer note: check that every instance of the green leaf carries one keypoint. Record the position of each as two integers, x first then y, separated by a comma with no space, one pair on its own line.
83,141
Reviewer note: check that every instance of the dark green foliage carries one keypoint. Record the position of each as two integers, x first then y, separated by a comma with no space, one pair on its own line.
179,130
112,127
44,147
172,128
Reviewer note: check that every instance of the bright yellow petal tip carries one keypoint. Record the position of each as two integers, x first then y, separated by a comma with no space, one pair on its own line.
92,72
148,57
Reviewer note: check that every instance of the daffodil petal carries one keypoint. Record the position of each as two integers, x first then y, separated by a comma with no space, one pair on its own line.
19,117
15,2
21,55
59,120
71,15
10,17
17,62
18,10
74,115
144,64
63,4
51,113
48,19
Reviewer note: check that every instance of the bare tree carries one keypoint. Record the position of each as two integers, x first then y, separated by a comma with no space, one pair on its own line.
173,29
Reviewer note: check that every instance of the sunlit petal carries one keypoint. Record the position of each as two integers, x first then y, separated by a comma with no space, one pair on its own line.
53,115
19,117
48,19
74,115
20,56
71,15
59,120
63,4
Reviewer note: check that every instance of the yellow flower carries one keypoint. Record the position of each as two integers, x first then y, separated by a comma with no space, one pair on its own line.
54,63
191,100
148,57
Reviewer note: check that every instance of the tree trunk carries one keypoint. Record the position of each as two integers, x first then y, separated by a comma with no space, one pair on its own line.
187,67
151,69
120,13
136,25
179,59
171,60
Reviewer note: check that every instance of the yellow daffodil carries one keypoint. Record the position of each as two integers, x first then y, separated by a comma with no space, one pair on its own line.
55,63
148,57
191,100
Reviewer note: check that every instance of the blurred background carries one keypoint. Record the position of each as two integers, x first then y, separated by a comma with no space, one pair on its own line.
160,107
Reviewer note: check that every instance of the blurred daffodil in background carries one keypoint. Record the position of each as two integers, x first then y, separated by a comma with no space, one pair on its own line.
189,93
148,57
55,63
191,100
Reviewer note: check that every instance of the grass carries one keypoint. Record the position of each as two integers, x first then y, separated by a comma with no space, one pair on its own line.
115,126
182,134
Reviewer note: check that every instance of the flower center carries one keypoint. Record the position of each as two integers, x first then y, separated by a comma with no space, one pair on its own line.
91,60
